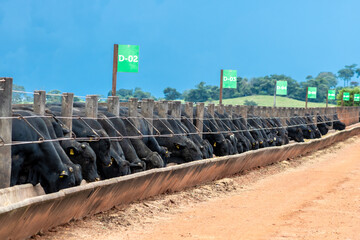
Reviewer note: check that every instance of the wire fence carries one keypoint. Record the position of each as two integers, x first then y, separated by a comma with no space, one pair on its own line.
225,125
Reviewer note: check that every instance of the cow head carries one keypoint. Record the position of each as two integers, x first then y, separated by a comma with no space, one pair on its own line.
83,154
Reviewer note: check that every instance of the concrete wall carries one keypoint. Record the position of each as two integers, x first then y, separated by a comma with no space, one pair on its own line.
25,218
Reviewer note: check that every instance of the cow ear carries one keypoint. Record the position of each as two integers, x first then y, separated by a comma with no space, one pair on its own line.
72,151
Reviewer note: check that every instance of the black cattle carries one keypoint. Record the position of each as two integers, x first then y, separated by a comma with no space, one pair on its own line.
337,124
321,125
243,143
310,123
79,153
204,145
241,124
44,162
279,133
115,127
257,132
295,130
300,122
182,148
89,130
213,133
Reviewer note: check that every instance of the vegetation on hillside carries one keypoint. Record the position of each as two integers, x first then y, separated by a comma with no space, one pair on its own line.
245,87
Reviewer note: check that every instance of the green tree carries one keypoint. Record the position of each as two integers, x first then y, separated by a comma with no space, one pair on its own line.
347,73
171,93
200,94
52,96
19,97
352,91
140,94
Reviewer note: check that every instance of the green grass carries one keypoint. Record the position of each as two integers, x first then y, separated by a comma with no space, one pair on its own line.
266,100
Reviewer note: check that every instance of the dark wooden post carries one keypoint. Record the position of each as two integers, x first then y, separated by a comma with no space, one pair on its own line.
67,102
115,62
306,98
221,86
5,131
275,94
39,102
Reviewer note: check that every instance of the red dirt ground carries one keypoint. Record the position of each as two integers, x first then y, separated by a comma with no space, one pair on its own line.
312,197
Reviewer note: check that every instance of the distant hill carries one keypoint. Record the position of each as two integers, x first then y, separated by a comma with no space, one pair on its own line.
267,100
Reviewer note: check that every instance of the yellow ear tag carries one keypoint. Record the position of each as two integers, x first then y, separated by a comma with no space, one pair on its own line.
214,144
177,146
61,176
72,151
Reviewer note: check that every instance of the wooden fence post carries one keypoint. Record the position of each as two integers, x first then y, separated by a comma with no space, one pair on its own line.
67,102
189,110
220,108
113,105
175,110
91,106
200,108
211,109
39,102
147,110
229,109
5,131
162,108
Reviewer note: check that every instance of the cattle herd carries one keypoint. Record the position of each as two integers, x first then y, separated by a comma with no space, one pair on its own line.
45,151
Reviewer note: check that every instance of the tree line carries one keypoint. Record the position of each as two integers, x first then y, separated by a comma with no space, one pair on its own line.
245,87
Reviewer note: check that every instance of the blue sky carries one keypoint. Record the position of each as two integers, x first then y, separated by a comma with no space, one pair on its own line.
67,45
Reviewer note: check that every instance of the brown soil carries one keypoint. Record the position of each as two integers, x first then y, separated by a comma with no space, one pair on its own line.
312,197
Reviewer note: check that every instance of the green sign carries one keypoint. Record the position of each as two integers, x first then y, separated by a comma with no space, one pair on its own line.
331,94
281,88
229,78
128,58
311,92
356,97
346,96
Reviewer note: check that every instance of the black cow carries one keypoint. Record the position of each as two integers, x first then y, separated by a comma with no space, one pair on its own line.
79,153
213,133
39,162
204,145
241,124
337,124
174,139
323,128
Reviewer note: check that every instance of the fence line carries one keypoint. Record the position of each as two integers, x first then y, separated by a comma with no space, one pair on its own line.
140,136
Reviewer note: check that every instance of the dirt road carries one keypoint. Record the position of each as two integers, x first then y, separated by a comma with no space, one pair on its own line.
312,197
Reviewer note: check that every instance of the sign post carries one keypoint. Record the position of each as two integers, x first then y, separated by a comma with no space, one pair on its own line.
310,93
126,59
346,97
330,96
280,89
227,80
356,98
